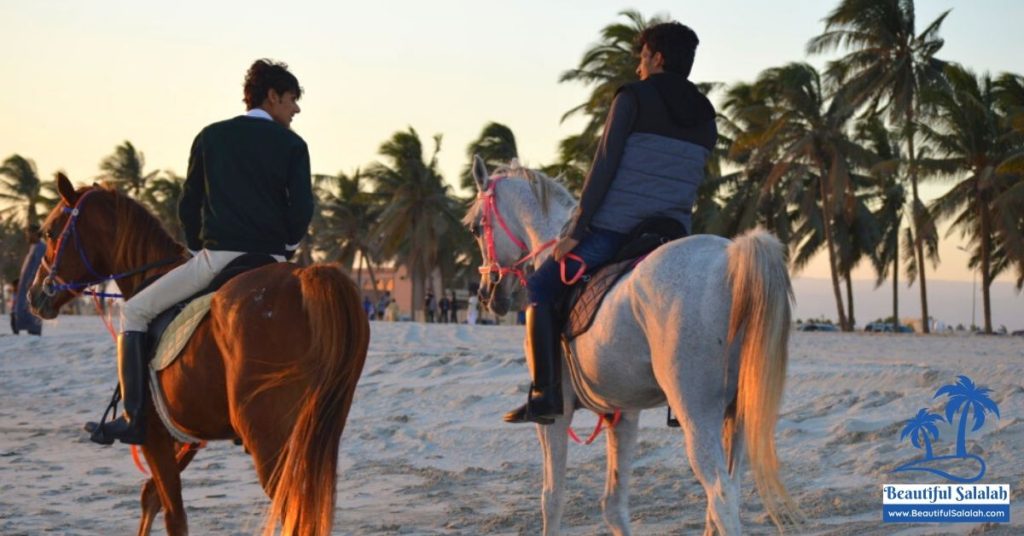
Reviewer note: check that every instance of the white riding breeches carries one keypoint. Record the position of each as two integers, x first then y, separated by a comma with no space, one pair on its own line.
175,286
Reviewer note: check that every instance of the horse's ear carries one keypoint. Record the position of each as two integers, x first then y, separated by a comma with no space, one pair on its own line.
480,174
66,190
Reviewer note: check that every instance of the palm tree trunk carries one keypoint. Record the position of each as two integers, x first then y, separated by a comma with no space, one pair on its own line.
918,241
373,277
417,295
849,301
359,275
826,210
31,216
895,287
3,295
986,280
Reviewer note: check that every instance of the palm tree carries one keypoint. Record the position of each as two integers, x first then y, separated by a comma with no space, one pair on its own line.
496,144
419,211
891,200
858,233
343,225
746,140
810,132
607,65
887,67
20,183
922,429
969,398
125,169
973,138
161,195
12,253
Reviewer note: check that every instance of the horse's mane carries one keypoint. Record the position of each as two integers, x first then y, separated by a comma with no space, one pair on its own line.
545,189
139,236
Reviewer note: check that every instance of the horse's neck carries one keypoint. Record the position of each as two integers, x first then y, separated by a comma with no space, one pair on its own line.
540,228
145,252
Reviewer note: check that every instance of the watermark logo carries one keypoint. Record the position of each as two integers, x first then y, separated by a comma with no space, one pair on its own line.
967,406
965,400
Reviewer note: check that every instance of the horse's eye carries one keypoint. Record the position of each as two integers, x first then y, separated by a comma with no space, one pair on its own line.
476,230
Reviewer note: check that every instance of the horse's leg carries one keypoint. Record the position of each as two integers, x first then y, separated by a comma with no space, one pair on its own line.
554,445
159,453
701,423
621,450
150,497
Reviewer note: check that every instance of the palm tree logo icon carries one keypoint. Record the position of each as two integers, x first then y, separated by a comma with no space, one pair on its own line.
967,399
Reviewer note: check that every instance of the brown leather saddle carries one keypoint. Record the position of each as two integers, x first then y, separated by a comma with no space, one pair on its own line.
581,303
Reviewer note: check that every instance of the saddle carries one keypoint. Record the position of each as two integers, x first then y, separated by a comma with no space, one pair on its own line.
581,303
238,266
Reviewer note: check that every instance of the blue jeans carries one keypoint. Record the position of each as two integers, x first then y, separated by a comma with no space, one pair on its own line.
597,247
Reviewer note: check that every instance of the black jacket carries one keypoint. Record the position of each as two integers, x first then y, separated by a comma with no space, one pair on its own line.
248,188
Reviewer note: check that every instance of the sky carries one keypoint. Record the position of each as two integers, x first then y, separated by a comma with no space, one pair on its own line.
82,77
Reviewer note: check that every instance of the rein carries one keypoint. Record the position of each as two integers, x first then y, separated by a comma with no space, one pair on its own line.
490,213
77,288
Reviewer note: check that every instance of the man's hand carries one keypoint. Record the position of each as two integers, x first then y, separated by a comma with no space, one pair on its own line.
563,247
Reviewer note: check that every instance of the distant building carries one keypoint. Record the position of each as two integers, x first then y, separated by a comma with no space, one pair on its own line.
396,280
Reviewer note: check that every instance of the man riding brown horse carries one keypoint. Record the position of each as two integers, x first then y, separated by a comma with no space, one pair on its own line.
248,190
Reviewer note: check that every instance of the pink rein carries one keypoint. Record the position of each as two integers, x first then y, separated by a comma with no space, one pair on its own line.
490,213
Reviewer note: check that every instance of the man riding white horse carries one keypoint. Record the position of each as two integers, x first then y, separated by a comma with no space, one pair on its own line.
649,163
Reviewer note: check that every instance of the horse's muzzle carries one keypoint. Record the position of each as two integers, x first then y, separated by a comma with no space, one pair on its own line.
41,303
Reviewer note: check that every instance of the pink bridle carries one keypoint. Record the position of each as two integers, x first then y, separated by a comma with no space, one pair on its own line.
489,213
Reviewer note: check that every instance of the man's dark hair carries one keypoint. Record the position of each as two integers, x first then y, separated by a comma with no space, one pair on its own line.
264,75
676,42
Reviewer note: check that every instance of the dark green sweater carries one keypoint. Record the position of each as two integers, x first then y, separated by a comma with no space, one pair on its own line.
248,188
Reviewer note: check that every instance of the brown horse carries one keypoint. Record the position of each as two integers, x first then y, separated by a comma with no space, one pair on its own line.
274,364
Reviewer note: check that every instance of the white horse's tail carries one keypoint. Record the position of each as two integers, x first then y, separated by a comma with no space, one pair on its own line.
761,295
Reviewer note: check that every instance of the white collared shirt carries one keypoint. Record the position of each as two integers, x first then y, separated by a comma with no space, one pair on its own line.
259,113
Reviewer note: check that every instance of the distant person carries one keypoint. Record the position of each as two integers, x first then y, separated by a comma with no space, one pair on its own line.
472,309
248,189
429,306
445,305
12,291
368,307
382,304
453,316
23,317
393,313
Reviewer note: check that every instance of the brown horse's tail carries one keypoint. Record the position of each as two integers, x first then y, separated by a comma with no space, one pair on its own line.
761,295
304,480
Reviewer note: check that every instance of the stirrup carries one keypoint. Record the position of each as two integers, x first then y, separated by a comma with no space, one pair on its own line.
671,421
95,429
522,414
120,429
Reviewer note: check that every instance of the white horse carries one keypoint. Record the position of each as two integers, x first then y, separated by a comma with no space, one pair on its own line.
701,324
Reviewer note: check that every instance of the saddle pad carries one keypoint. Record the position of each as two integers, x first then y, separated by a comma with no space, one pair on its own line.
179,331
584,301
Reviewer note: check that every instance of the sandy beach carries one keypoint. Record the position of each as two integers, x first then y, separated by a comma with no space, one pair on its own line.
425,451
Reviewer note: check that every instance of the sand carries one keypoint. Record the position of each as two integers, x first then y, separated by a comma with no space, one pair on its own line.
425,451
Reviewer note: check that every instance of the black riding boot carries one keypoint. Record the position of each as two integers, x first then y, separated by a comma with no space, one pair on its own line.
131,370
544,350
